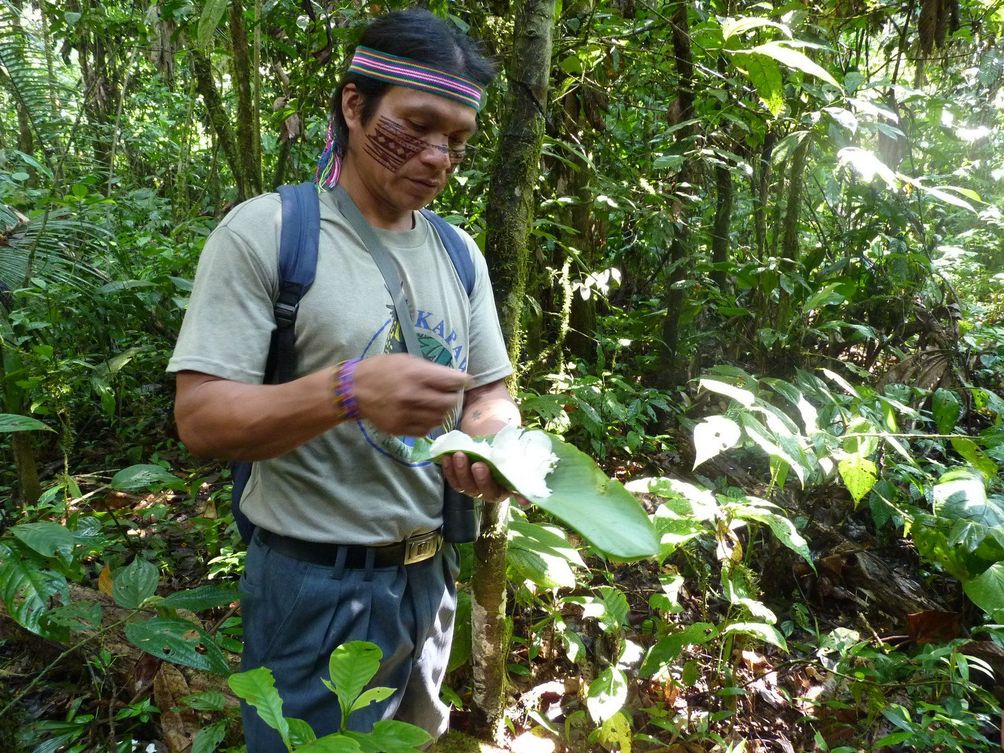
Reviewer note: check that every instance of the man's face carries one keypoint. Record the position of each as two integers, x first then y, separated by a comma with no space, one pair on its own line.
406,152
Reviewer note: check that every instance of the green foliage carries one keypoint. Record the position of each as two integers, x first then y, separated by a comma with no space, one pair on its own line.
351,667
110,181
581,495
604,413
905,477
941,704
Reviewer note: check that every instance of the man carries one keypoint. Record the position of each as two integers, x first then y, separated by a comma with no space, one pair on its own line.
333,492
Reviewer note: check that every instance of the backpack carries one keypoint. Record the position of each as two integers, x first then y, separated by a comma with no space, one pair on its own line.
298,241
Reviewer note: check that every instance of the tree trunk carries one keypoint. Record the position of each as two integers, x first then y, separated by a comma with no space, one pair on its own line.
760,194
162,47
671,371
792,214
248,138
517,165
219,120
25,464
720,230
25,142
101,85
509,215
793,205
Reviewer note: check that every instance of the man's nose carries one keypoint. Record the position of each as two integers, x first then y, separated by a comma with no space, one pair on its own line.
437,155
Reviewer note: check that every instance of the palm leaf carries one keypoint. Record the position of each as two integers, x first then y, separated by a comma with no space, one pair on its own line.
51,247
46,100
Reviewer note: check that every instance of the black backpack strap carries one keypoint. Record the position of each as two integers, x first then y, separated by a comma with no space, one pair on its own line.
298,241
459,253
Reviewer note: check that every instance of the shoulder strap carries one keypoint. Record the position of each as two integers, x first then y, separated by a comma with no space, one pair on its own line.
298,241
459,253
388,269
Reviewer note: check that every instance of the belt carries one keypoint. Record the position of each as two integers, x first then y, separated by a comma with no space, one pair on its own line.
415,549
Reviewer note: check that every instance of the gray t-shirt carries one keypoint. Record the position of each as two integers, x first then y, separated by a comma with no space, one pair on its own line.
352,484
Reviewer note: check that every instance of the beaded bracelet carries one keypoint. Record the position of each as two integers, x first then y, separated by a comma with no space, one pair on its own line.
343,389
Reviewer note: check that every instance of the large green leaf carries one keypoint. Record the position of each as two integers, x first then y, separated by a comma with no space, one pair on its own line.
946,408
733,26
212,14
333,743
945,196
27,588
759,510
143,476
742,396
792,58
256,687
300,732
82,616
714,435
542,555
135,583
178,641
960,492
971,452
669,647
766,633
391,736
209,738
859,475
607,694
199,598
586,499
765,75
868,166
351,666
987,590
46,538
756,431
10,422
606,514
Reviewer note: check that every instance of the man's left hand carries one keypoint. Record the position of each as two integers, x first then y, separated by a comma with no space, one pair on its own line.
473,479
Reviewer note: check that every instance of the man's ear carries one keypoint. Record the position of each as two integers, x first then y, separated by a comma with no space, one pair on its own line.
352,106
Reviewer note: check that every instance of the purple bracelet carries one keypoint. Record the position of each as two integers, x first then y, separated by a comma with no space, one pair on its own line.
343,387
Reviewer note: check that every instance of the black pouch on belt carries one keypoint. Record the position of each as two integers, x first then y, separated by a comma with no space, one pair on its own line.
461,517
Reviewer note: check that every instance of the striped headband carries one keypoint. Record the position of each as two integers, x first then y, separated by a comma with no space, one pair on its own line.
406,72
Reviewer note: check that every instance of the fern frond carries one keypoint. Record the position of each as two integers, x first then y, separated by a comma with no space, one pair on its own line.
25,75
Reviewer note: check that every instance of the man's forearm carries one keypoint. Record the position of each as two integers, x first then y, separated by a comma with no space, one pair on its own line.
488,409
236,421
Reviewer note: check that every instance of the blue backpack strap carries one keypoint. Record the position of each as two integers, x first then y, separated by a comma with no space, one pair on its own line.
459,253
298,241
301,230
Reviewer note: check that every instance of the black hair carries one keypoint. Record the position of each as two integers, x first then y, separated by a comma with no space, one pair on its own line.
417,34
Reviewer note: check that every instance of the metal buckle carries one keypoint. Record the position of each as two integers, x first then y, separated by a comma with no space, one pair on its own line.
422,547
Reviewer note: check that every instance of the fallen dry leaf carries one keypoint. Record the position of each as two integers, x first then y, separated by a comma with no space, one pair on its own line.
179,723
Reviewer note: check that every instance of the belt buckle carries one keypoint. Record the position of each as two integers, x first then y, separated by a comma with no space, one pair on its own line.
421,547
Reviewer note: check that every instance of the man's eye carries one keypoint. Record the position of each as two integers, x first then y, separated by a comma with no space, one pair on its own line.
417,127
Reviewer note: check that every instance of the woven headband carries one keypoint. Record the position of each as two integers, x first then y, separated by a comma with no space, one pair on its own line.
406,72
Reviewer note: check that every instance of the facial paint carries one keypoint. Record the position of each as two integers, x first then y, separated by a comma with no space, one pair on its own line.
392,145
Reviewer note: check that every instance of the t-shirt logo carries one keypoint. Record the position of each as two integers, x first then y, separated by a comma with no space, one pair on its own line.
439,344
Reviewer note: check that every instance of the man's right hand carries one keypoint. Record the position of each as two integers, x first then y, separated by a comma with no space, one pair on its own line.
404,395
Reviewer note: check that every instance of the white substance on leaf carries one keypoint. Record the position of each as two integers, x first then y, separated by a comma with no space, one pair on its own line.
524,458
457,441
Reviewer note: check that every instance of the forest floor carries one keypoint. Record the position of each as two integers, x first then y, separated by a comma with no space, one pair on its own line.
776,700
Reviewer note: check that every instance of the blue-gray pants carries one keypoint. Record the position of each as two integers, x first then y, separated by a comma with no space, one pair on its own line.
296,613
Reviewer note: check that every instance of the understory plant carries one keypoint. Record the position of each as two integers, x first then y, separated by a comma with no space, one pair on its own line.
351,667
932,699
902,451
